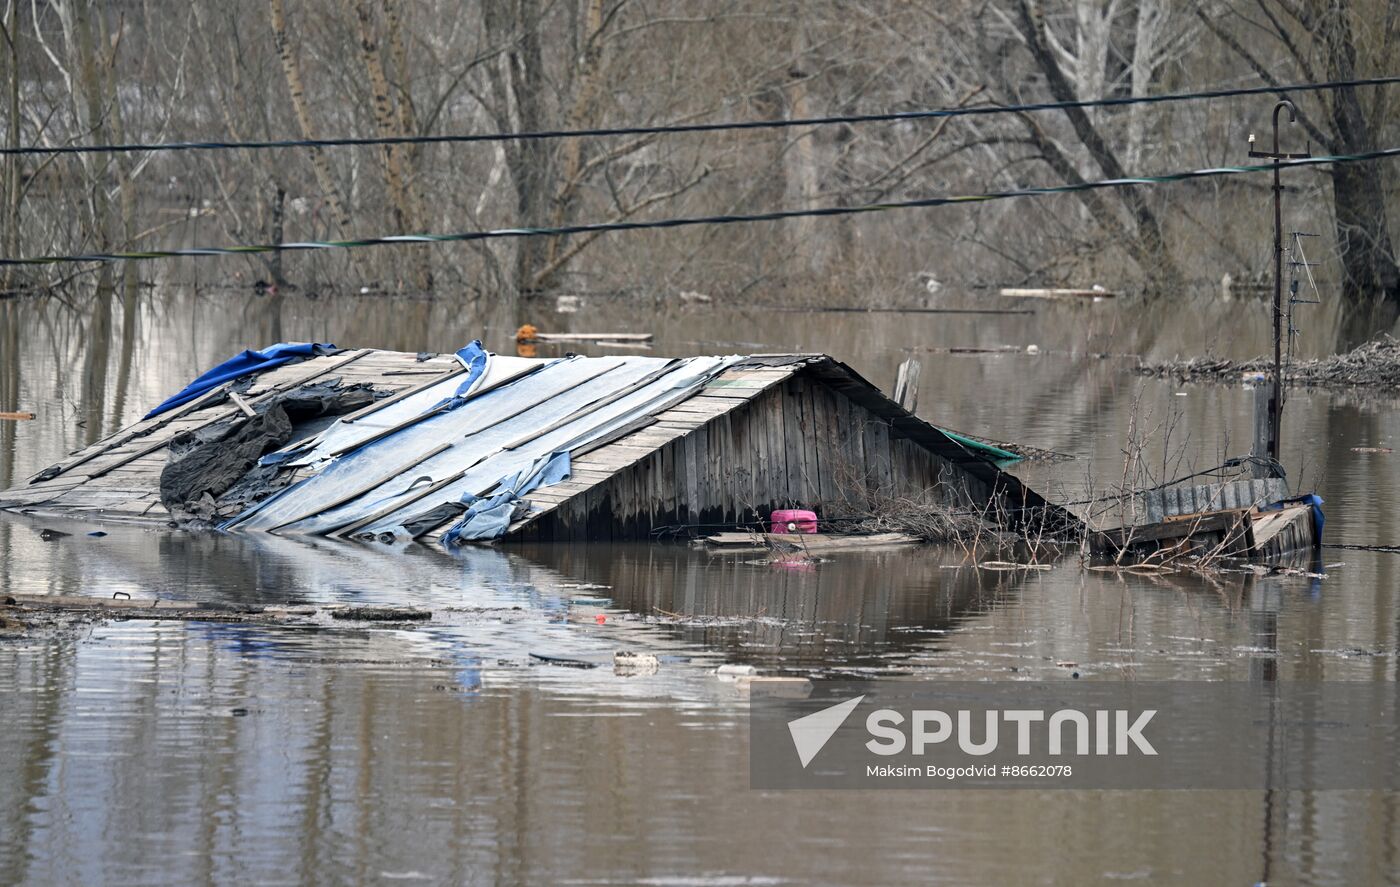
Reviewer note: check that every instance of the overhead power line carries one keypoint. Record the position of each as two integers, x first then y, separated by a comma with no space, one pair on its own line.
664,129
685,222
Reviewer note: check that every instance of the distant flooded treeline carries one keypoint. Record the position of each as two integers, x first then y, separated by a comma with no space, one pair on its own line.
88,72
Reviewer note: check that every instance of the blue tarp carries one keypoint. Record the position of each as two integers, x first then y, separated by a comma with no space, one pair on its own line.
489,517
242,365
1311,499
473,357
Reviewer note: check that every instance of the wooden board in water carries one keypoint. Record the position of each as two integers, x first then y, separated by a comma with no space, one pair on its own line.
808,542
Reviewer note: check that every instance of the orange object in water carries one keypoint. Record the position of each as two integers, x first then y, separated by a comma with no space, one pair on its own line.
526,333
600,618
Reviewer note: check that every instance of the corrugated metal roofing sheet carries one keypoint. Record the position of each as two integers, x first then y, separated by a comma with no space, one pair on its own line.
410,457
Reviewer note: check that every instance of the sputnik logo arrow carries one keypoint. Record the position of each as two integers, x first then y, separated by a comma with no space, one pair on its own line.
812,732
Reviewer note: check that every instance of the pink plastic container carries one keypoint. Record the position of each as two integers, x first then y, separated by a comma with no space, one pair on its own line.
793,520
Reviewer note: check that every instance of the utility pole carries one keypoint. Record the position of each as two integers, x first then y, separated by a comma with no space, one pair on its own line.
1273,426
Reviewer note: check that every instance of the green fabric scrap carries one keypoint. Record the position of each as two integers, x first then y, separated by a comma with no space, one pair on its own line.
995,454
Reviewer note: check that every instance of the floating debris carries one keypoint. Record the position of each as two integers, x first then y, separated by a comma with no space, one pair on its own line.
731,670
381,614
774,686
564,661
1373,365
529,333
626,662
1092,294
1010,565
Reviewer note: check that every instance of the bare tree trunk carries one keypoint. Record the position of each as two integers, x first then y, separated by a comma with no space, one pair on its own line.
83,46
1149,31
586,86
279,204
393,23
10,243
121,165
1151,243
9,385
1370,277
386,119
1322,29
388,122
518,83
1093,38
291,69
804,161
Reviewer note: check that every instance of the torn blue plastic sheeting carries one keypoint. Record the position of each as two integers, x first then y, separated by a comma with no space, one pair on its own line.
244,364
473,357
1310,499
489,518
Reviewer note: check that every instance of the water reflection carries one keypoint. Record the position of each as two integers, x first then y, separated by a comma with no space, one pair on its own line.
862,612
177,752
172,752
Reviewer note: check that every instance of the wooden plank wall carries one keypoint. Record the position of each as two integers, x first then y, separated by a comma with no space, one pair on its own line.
742,448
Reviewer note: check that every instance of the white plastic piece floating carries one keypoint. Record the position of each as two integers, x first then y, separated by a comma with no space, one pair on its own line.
736,671
628,662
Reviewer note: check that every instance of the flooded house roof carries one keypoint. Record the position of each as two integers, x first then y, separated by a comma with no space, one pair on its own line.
378,444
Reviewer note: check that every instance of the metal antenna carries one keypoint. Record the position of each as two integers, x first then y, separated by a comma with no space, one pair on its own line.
1298,259
1275,413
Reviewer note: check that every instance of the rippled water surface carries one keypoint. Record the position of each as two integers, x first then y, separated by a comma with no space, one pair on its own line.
192,752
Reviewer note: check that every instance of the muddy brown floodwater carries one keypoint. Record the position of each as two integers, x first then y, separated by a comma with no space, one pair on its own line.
194,752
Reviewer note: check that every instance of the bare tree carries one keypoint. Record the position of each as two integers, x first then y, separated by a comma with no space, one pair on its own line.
1147,243
78,71
296,88
1335,40
11,193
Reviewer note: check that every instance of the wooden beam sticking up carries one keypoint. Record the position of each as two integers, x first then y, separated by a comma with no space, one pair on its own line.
906,384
